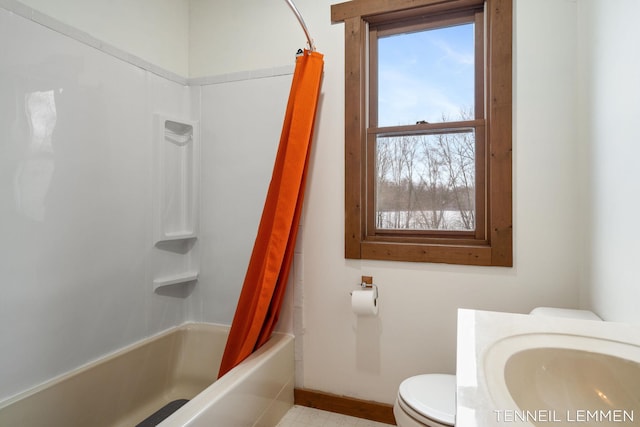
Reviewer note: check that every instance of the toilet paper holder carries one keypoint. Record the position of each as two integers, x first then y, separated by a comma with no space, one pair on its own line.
367,282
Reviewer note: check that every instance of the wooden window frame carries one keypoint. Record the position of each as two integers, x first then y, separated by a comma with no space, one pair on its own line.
492,243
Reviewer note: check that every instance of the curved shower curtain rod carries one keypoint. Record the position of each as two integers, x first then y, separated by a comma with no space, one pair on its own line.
302,24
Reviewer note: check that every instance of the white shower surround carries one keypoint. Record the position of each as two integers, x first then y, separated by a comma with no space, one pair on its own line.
76,184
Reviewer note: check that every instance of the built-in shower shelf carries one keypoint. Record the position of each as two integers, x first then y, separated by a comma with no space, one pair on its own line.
176,195
176,178
174,280
177,236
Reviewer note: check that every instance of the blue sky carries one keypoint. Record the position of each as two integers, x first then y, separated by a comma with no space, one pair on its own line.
425,74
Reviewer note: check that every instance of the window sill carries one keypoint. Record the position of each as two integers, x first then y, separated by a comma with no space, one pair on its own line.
463,254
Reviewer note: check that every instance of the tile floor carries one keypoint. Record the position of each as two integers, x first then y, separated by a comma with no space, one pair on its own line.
302,416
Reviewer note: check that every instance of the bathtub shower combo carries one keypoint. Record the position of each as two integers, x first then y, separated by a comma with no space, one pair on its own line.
169,379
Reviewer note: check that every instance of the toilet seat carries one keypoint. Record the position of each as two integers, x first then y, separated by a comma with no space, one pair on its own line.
406,417
429,397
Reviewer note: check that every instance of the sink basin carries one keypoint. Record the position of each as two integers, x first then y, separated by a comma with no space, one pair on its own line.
564,379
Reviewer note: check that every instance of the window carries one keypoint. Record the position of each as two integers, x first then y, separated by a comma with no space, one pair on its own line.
428,130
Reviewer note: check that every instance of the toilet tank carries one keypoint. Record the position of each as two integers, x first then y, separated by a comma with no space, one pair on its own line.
565,312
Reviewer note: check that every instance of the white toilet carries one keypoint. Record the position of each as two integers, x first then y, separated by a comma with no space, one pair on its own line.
430,399
426,400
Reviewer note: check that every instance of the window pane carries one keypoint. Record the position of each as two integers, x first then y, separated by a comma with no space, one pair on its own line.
426,76
426,182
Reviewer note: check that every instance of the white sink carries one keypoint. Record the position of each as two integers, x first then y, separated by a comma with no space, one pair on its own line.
522,370
564,379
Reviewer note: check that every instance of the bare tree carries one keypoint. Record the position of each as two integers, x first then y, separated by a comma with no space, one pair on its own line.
426,181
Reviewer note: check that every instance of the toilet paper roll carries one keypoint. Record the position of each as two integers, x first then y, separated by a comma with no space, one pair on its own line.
364,302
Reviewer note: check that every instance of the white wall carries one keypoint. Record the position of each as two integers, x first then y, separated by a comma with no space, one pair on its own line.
610,62
154,30
241,35
75,203
415,330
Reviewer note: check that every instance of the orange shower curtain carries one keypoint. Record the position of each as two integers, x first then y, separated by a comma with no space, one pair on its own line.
266,278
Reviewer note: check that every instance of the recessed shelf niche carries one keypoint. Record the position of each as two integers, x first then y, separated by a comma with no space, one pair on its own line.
177,179
176,197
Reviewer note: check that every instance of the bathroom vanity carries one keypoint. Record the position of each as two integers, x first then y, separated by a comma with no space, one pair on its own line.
523,370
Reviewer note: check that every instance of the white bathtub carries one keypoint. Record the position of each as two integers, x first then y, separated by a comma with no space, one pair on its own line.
125,388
